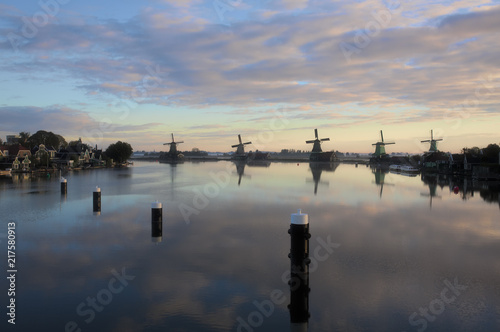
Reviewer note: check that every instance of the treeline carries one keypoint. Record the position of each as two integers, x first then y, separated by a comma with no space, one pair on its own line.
119,151
46,138
487,154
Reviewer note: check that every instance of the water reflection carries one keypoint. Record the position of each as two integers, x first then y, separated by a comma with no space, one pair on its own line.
490,193
240,169
379,174
393,259
464,187
431,180
156,230
317,169
258,163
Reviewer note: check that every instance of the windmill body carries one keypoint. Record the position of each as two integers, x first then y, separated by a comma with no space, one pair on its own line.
317,153
240,149
380,147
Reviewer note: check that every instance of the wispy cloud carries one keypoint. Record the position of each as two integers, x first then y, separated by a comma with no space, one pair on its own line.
428,56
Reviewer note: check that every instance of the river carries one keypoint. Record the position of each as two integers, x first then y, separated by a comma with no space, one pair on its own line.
388,252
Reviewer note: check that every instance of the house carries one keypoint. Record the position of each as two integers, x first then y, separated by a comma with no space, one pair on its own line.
52,152
81,154
16,164
14,150
42,150
26,164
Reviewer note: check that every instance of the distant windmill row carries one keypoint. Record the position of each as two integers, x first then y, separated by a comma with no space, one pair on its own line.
380,146
317,153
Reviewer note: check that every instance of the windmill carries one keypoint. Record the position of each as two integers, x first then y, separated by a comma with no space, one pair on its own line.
173,146
172,156
240,149
317,154
317,142
433,142
380,147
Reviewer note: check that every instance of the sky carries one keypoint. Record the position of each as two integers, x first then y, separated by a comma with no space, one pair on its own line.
272,71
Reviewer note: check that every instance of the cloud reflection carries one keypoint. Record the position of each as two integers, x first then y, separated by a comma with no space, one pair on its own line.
393,259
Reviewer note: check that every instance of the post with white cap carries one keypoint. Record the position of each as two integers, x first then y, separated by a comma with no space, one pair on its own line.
156,222
64,186
299,272
97,199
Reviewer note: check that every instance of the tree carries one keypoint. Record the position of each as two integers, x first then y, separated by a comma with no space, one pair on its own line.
119,151
23,138
491,153
62,142
46,138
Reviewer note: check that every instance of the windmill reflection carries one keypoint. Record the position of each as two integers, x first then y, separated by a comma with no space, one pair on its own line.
317,168
240,169
173,174
431,180
380,178
240,166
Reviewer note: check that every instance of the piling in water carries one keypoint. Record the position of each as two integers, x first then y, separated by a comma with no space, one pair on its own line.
97,199
156,222
299,271
64,186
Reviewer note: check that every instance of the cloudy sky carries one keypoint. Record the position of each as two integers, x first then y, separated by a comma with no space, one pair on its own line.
271,71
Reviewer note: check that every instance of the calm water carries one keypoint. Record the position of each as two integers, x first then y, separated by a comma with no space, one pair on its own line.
404,254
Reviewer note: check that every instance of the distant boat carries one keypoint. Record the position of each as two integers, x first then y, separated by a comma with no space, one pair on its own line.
403,168
396,168
409,169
